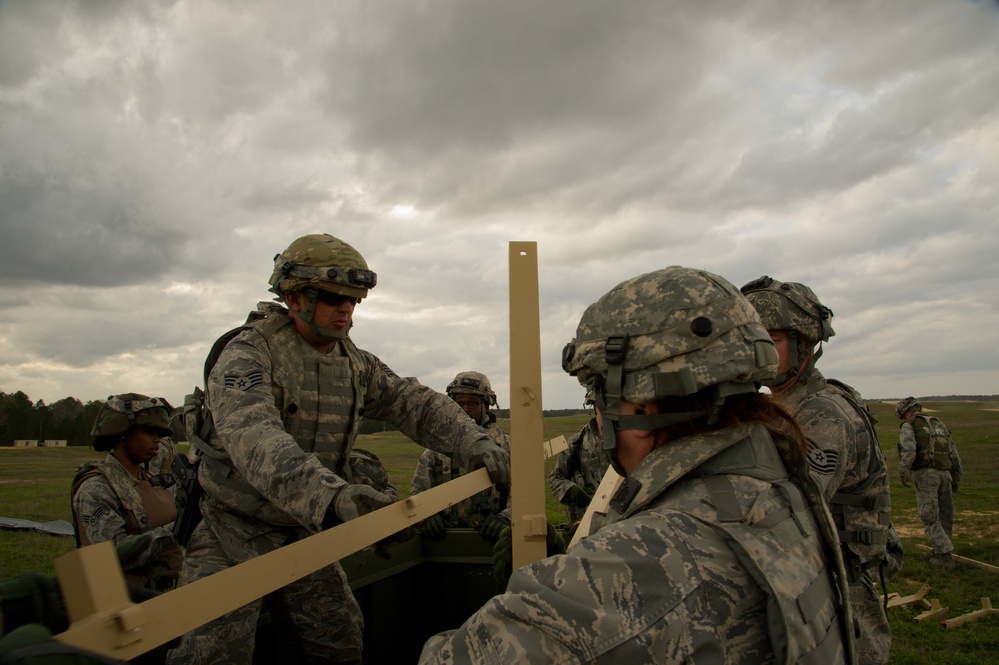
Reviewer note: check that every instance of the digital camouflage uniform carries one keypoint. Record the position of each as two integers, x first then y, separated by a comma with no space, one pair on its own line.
845,456
711,551
929,457
581,465
111,505
435,469
285,419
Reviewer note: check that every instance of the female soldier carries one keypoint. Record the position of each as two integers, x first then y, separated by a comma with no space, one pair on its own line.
118,499
716,549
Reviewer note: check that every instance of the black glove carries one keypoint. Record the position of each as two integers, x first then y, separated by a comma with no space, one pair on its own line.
434,526
383,547
496,460
32,598
492,526
953,487
577,496
503,551
352,501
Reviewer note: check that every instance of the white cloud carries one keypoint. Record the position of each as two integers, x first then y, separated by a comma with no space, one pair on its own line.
154,157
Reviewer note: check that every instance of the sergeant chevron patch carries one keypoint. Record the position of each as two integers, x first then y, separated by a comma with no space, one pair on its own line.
244,382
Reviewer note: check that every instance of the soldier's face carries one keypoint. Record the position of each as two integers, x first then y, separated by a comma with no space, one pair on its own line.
326,315
781,339
142,444
471,405
634,445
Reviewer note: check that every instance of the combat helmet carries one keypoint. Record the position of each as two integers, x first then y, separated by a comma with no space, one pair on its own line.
472,383
320,262
122,412
905,406
669,333
795,308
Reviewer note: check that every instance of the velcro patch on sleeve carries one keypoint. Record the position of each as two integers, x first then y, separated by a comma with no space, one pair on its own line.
244,382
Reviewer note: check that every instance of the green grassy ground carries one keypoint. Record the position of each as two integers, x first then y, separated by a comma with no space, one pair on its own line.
34,484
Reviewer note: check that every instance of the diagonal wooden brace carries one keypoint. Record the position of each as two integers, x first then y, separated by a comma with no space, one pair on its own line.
935,611
104,620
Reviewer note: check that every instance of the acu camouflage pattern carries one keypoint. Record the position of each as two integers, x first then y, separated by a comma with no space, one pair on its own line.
110,505
688,329
435,469
113,418
319,250
790,306
285,419
847,463
472,383
583,464
724,564
934,486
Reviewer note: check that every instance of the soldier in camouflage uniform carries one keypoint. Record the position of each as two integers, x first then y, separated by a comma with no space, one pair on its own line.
928,458
119,498
487,511
712,551
844,452
286,397
578,471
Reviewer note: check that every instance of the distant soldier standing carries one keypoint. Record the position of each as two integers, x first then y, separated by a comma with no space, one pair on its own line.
844,453
286,397
928,457
119,498
718,548
487,511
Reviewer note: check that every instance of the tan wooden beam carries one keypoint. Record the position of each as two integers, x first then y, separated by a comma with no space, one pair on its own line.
104,620
599,504
527,494
970,562
973,616
555,446
935,611
908,600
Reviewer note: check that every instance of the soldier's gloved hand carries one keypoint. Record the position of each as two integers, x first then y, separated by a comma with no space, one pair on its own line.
434,526
352,501
953,487
496,460
576,496
492,526
906,477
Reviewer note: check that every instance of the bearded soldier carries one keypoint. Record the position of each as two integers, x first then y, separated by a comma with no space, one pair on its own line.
718,547
286,397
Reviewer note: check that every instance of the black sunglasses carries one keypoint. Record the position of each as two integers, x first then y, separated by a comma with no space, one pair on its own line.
334,299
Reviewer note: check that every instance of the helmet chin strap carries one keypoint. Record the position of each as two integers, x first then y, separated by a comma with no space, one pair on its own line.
784,382
328,335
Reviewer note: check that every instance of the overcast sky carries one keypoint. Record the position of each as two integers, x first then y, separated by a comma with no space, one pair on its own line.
155,156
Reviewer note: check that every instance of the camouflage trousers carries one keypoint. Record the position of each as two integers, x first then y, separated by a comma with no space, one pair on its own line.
874,638
317,612
935,500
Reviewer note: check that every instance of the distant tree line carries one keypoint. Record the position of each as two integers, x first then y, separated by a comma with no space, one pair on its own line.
68,419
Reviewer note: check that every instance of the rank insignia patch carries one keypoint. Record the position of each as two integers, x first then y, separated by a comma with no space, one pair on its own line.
244,382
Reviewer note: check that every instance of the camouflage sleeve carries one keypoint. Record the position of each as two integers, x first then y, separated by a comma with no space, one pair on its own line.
101,516
551,608
907,447
423,476
833,430
249,427
566,466
426,416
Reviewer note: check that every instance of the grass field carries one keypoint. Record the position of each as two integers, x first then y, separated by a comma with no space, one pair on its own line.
34,485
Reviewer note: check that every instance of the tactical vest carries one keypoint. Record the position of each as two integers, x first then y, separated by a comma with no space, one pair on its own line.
143,507
932,443
806,618
320,398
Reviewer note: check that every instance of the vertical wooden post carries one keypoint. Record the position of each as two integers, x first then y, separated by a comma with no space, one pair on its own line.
527,494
